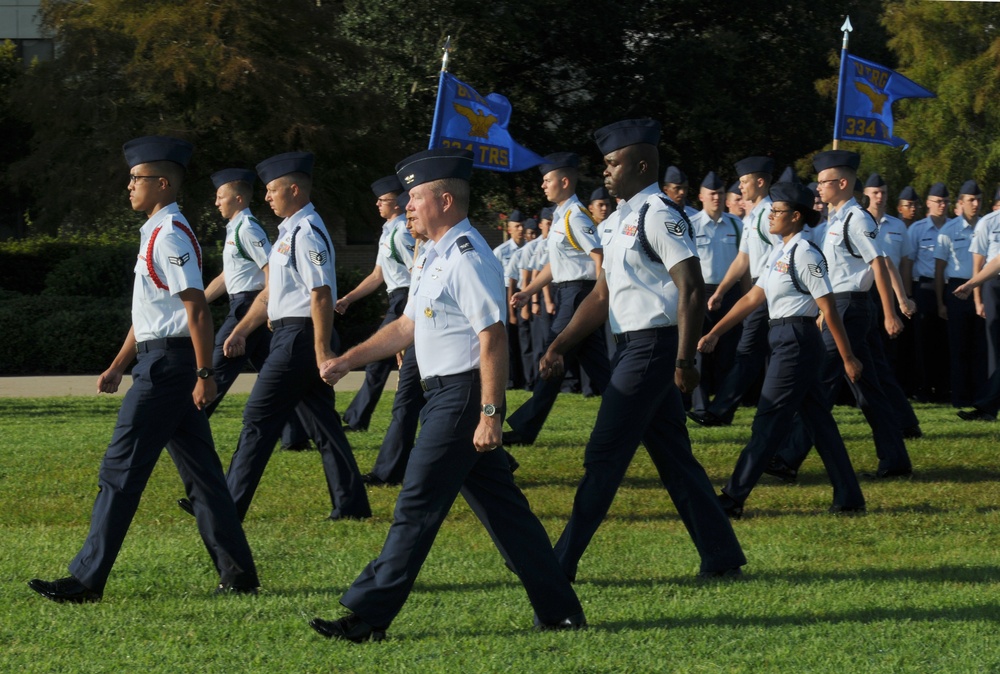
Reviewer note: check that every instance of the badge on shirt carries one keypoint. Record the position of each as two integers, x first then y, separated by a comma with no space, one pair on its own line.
428,312
180,261
318,258
259,244
284,248
676,228
465,246
817,270
630,230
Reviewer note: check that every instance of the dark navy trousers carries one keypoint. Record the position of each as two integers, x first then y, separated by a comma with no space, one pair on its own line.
158,411
642,404
529,360
791,386
991,302
966,346
358,414
390,465
288,384
715,367
591,353
748,363
443,464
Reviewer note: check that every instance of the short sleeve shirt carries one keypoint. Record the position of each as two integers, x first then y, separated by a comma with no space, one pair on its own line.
953,246
717,242
850,246
395,253
893,238
572,237
757,240
986,240
245,254
809,270
923,235
301,260
169,262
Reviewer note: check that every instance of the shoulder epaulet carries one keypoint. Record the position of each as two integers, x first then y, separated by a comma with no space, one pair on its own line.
677,229
157,281
815,270
464,245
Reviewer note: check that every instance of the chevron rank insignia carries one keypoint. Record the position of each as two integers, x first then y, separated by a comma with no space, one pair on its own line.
817,270
872,234
258,244
180,261
317,258
675,228
464,244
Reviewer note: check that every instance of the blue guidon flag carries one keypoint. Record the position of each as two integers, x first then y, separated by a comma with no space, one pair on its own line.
864,102
465,120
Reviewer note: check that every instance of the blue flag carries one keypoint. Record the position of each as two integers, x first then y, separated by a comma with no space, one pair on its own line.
864,101
464,119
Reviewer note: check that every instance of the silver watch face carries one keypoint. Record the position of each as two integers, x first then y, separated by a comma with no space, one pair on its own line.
489,410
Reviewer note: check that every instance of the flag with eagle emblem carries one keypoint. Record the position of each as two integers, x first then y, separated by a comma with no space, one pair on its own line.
465,120
864,101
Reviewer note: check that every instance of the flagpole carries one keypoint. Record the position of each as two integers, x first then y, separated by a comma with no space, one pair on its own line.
847,28
437,105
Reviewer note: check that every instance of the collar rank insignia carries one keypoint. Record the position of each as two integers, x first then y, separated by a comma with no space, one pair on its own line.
180,261
464,245
317,258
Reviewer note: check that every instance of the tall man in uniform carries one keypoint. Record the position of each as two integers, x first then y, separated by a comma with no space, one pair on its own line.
651,290
756,244
717,239
574,257
172,334
518,276
503,253
986,298
395,248
455,320
299,303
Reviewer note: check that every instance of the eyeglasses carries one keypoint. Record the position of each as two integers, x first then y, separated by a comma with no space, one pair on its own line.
134,178
831,180
938,202
779,211
382,200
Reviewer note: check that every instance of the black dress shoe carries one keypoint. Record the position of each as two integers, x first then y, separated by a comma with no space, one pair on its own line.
577,621
781,470
512,462
708,420
356,518
229,588
511,438
847,510
373,480
354,429
65,590
883,474
724,574
297,446
912,432
186,505
976,415
349,628
732,509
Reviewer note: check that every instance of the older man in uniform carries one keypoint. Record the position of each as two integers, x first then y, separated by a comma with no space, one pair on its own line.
172,334
456,302
574,257
651,290
756,244
299,303
395,248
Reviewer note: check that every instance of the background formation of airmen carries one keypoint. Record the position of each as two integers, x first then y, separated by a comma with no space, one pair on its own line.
662,309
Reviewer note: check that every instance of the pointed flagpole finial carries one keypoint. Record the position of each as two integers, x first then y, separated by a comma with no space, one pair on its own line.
447,51
847,28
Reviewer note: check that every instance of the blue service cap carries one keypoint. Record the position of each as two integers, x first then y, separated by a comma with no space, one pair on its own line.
970,187
515,216
546,213
531,223
600,193
436,164
386,184
834,158
858,186
157,148
875,180
285,163
735,189
908,194
814,188
788,176
674,176
402,199
713,182
938,190
558,160
796,194
220,178
627,132
754,165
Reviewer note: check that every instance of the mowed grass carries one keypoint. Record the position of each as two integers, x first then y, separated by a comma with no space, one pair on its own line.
914,586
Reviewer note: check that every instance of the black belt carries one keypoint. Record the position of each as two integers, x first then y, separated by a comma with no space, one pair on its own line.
246,293
959,281
650,333
849,296
791,320
404,290
753,280
431,383
925,279
711,287
294,320
573,284
165,343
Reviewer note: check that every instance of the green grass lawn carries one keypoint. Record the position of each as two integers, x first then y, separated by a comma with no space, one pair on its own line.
914,586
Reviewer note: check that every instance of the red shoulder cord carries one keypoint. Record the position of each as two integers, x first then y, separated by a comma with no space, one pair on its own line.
149,253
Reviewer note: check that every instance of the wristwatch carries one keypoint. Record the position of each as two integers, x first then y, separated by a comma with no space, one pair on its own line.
204,372
683,364
490,410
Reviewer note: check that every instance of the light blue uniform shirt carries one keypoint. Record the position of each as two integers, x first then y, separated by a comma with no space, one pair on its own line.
757,241
395,253
717,242
302,260
850,246
158,312
242,266
641,293
572,237
457,292
783,298
986,240
893,238
923,237
954,241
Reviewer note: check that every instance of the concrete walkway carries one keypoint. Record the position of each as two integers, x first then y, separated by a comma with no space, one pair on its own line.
86,385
